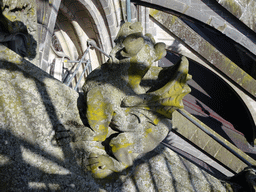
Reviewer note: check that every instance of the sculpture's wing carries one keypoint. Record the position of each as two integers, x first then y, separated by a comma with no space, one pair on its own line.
167,98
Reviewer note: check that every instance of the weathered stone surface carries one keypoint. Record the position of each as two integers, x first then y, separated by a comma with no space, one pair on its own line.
233,6
35,107
29,117
244,10
205,10
18,18
209,145
116,98
38,112
207,51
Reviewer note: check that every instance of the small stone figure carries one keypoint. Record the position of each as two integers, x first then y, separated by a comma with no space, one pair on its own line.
135,99
16,42
15,36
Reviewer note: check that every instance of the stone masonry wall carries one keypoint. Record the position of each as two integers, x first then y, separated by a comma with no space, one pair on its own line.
244,10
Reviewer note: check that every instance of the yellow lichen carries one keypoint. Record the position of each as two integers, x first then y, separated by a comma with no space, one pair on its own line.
221,28
233,7
174,18
232,68
156,121
148,131
120,145
153,12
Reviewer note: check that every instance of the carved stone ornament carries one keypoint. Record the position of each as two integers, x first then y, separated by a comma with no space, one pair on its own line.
55,139
18,27
129,102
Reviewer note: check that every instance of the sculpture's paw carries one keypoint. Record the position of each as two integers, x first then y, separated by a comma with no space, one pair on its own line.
62,135
71,132
101,165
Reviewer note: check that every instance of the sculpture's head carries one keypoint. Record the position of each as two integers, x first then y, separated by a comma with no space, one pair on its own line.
131,43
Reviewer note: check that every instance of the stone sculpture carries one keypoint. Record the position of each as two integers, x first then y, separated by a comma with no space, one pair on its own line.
16,42
133,98
138,100
18,27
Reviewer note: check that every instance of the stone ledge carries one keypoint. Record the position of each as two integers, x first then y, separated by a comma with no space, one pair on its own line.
208,144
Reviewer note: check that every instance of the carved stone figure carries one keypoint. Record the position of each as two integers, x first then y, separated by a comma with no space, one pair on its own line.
133,98
18,27
16,42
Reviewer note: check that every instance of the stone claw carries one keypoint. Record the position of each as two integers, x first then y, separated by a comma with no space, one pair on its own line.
101,165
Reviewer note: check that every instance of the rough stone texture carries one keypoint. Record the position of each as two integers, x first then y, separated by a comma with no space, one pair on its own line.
204,11
233,7
30,112
244,10
205,50
19,18
37,115
116,98
34,107
209,145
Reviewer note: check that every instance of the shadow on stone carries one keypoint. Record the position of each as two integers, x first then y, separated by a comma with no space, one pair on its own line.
15,36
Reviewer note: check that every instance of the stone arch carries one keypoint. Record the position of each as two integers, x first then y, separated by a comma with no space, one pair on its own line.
68,36
76,23
110,8
104,39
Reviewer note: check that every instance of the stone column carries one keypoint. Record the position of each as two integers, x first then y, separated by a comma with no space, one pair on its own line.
46,16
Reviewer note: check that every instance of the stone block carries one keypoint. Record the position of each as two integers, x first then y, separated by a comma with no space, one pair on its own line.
236,165
218,23
89,8
225,157
212,147
175,5
234,34
200,138
186,2
233,7
110,19
244,3
249,44
105,3
108,10
197,13
113,30
251,87
183,127
44,65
